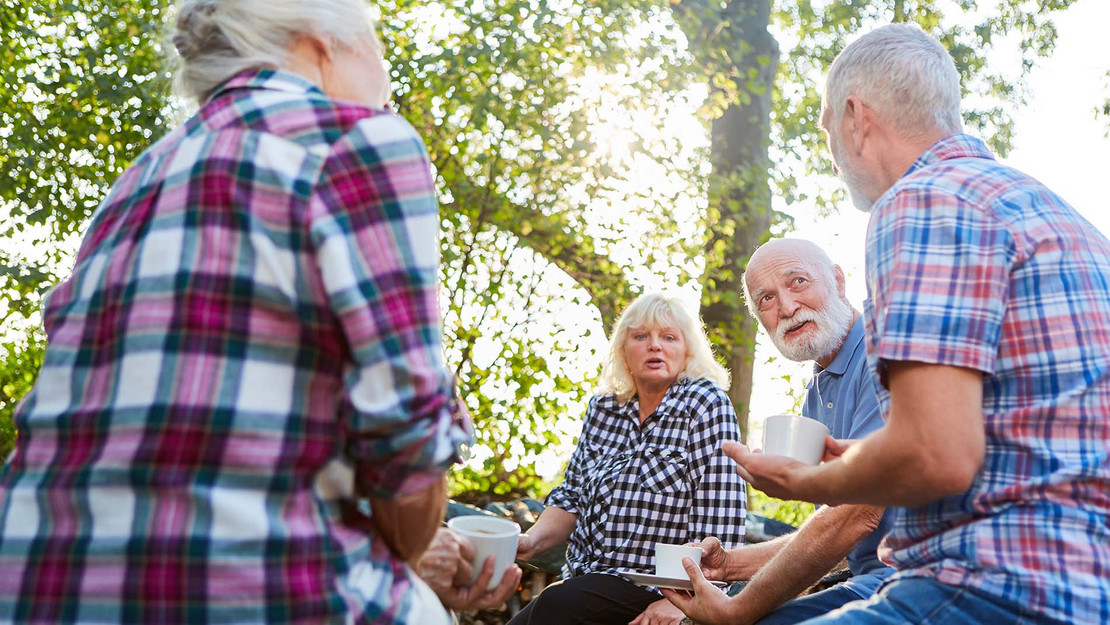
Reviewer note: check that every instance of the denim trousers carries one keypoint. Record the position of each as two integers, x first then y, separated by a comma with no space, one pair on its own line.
922,601
810,606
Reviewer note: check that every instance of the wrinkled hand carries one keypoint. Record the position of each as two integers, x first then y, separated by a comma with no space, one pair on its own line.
707,605
525,547
445,567
476,597
661,612
714,558
778,476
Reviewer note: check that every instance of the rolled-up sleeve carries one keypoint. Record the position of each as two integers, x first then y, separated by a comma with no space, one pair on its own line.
720,496
375,231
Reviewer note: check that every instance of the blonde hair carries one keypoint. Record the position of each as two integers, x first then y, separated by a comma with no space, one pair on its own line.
658,310
217,39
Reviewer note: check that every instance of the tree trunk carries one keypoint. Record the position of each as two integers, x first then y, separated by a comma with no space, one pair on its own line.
739,215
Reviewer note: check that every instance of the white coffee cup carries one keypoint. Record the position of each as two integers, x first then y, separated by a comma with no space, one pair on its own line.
668,560
800,438
491,536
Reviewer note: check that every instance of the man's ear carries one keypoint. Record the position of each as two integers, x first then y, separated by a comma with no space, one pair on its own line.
858,119
840,281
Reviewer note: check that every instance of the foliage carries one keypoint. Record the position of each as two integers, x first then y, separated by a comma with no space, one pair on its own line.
497,90
85,88
20,365
1103,110
792,512
565,189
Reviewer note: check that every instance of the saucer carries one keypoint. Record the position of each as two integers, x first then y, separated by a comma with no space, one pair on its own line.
659,581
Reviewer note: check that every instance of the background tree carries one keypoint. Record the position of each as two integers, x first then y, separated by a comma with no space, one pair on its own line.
563,181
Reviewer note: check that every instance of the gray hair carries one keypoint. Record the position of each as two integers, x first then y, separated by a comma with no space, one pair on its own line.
809,255
904,74
217,39
657,310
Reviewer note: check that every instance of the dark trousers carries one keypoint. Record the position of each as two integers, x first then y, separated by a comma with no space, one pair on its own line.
591,599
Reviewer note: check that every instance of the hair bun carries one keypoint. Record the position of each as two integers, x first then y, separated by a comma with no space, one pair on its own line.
197,32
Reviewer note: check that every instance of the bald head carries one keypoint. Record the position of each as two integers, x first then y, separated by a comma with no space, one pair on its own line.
805,254
796,292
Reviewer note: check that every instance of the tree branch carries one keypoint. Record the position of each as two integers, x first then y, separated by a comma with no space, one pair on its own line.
557,240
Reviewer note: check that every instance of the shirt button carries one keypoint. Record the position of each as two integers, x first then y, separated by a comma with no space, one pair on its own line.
828,405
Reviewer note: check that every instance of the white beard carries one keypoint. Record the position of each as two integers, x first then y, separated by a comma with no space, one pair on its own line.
851,180
833,324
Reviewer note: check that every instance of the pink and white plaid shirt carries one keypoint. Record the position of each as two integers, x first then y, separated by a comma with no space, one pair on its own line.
250,337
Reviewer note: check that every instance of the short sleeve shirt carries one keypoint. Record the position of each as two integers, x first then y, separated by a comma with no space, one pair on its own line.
973,264
843,397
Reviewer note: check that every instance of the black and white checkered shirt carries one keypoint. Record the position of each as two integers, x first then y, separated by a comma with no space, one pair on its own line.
666,480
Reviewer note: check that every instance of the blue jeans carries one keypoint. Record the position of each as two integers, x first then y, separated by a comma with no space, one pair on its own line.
809,606
922,601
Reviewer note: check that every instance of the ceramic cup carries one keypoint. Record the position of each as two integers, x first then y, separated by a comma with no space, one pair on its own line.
668,560
491,536
800,438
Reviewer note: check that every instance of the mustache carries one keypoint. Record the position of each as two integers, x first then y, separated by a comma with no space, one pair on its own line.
797,319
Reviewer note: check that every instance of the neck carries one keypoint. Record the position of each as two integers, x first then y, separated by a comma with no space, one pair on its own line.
650,398
305,60
828,359
901,154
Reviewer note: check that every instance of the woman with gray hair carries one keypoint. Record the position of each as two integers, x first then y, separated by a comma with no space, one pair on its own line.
648,469
248,344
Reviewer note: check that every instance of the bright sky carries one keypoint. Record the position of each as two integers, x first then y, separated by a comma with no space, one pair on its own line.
1058,141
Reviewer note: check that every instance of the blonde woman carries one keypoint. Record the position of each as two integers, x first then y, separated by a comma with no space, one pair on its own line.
648,468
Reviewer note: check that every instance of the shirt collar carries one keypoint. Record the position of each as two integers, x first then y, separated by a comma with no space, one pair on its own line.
851,343
951,147
667,407
271,79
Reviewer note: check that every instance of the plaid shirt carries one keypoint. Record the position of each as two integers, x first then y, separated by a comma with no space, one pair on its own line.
666,480
249,337
973,264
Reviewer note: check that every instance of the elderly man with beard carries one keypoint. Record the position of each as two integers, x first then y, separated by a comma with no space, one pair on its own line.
797,294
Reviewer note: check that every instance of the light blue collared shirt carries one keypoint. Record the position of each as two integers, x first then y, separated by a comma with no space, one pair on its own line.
843,397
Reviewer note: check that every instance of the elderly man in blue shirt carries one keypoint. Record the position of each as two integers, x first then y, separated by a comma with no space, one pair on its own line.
798,296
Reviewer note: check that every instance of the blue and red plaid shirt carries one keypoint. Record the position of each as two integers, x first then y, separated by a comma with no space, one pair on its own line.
250,337
973,264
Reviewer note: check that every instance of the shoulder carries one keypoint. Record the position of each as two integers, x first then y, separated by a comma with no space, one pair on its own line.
602,412
965,189
603,405
704,391
707,404
378,136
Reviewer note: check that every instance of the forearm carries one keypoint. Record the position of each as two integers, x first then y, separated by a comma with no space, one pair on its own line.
814,550
408,522
879,470
744,562
932,446
888,468
552,528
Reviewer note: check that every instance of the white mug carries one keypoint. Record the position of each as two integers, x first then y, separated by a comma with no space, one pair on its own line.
491,536
668,560
800,438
